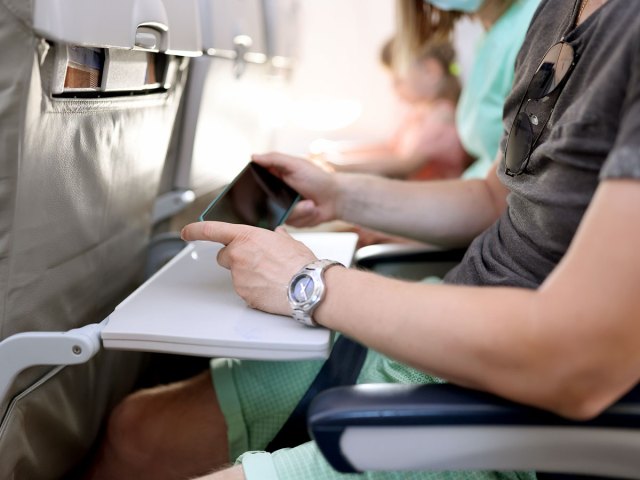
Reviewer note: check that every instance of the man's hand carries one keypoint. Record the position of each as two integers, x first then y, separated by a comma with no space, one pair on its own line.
261,262
318,186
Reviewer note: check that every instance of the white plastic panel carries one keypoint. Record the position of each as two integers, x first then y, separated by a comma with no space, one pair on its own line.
594,451
116,23
226,24
185,36
190,307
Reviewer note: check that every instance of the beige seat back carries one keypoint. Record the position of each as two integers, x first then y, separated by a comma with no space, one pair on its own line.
79,173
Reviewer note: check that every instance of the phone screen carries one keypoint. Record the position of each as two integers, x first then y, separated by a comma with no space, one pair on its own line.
255,197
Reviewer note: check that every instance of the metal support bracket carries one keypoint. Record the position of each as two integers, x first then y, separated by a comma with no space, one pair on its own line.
171,203
25,350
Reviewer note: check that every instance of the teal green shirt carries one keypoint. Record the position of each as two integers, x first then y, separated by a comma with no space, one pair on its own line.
479,112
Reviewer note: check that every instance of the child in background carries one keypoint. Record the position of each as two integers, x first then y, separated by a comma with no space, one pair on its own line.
425,145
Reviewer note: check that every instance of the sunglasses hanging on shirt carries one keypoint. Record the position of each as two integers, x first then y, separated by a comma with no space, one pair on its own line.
537,105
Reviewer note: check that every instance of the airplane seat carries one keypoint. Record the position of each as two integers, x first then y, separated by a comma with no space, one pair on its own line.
370,428
89,92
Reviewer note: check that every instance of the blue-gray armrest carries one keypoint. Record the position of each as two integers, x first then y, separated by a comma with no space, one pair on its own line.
412,262
444,427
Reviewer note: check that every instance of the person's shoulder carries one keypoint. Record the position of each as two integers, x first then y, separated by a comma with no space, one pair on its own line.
528,9
514,24
622,16
541,13
547,21
505,39
621,22
519,15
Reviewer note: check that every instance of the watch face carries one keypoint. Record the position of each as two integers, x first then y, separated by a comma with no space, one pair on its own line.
302,288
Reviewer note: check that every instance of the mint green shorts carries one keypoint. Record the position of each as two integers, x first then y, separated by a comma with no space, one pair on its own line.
257,397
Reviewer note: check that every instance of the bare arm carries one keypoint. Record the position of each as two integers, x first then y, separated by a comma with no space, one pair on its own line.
387,164
571,346
383,160
449,213
416,145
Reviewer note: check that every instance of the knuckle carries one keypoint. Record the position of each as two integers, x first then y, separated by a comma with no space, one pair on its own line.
220,257
251,302
235,256
245,294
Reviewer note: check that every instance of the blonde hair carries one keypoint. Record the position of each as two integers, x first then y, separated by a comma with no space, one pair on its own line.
418,22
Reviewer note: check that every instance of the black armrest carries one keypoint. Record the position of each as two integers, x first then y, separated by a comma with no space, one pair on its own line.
444,427
408,261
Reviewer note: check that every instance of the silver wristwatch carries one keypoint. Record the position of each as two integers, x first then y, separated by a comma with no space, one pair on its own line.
307,289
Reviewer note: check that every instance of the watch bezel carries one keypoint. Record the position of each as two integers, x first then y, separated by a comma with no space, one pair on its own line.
310,303
302,311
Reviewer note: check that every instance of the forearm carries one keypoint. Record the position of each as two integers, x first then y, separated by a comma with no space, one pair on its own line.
357,151
493,339
448,213
463,334
389,165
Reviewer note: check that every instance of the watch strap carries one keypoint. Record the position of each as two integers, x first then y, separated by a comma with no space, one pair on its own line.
302,314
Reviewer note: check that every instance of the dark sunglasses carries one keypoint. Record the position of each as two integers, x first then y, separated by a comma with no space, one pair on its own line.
538,101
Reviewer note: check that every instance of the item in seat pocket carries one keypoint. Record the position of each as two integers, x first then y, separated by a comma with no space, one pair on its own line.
84,68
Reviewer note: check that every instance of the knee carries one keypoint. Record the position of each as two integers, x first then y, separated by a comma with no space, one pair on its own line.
132,427
164,421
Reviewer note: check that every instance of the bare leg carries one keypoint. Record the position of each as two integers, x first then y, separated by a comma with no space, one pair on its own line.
170,432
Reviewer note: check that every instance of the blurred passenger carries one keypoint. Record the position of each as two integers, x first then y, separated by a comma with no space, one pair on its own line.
425,145
479,110
478,116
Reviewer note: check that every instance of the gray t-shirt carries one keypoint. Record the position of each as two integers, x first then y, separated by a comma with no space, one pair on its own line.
593,134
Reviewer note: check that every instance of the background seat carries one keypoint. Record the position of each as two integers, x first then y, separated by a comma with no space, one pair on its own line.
84,133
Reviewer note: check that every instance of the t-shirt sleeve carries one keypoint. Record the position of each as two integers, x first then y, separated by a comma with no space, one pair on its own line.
624,159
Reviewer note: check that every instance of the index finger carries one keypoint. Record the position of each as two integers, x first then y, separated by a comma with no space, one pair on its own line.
220,232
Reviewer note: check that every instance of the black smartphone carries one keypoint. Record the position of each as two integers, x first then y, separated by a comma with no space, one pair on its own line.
255,197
